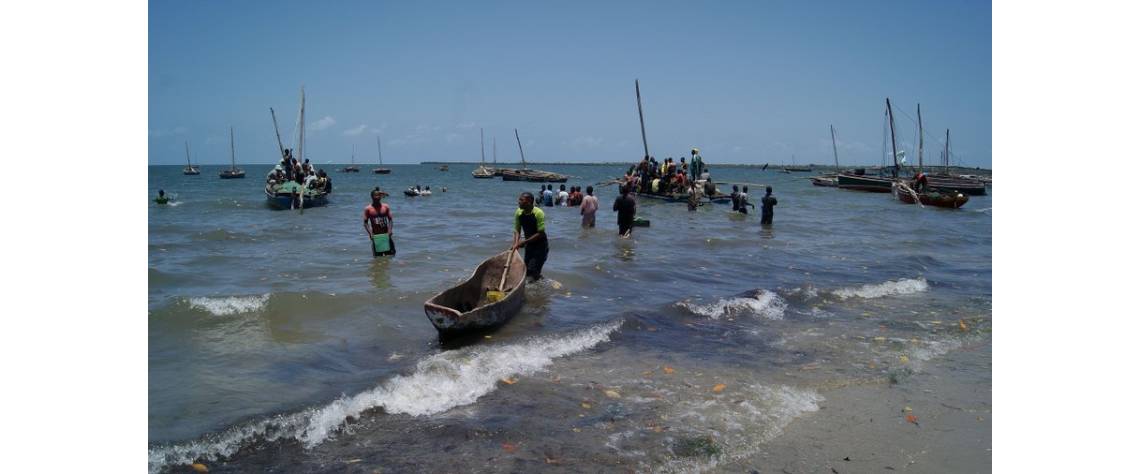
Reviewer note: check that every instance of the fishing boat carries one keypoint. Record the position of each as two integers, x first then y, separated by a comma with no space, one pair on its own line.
944,181
189,170
380,155
720,198
797,169
444,168
466,308
291,194
482,172
234,172
532,175
829,179
927,197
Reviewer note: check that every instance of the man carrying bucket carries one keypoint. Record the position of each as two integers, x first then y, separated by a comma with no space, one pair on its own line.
378,225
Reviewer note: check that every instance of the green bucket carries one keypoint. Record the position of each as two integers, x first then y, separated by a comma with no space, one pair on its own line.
381,245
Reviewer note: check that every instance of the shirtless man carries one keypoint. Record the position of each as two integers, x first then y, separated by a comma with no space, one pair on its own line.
378,220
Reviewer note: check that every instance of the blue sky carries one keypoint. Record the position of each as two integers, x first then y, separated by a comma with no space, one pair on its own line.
747,82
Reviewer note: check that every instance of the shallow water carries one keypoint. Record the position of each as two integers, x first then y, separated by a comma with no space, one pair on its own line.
276,340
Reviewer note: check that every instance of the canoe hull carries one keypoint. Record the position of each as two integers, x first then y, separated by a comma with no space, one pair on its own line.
382,171
284,201
951,184
830,181
232,174
948,200
871,184
464,309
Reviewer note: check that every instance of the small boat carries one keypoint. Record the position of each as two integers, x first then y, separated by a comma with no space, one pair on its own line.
288,196
828,180
532,175
797,169
234,172
482,172
950,200
465,308
444,168
856,181
684,197
381,169
189,170
410,192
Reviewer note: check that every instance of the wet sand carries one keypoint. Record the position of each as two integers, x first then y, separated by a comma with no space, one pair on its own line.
863,427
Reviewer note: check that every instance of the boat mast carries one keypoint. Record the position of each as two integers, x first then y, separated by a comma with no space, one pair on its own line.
301,143
641,116
353,153
494,151
233,162
520,148
894,147
834,150
280,147
919,138
482,149
379,153
188,155
946,162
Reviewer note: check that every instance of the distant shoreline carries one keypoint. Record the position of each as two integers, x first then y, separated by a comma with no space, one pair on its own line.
773,166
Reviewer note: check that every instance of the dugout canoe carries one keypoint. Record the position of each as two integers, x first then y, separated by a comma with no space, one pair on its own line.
465,308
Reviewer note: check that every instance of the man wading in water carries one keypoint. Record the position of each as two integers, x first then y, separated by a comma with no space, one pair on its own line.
378,220
626,208
766,205
531,222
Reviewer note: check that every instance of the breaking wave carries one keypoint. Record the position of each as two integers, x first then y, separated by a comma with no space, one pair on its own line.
762,303
439,383
229,305
891,288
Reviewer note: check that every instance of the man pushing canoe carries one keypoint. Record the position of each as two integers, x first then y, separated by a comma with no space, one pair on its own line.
531,222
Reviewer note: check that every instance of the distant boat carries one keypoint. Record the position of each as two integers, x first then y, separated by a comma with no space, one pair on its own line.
525,174
482,172
968,185
797,169
352,168
444,168
927,197
189,170
234,172
829,179
381,169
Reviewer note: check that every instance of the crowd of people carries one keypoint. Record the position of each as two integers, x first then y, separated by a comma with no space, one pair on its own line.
290,169
670,177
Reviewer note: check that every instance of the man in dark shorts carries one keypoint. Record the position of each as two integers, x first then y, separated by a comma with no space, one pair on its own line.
531,223
378,220
766,205
626,208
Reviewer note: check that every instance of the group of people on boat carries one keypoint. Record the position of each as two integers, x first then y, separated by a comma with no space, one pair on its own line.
671,177
290,169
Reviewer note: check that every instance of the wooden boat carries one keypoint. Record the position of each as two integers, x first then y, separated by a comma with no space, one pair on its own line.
465,308
828,180
944,181
444,168
288,196
482,172
796,169
189,170
234,172
951,200
862,182
380,155
683,197
532,175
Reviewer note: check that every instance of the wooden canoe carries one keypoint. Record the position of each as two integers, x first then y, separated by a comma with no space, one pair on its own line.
464,308
950,200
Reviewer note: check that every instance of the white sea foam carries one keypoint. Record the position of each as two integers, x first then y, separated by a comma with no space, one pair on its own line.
440,382
764,304
229,305
890,288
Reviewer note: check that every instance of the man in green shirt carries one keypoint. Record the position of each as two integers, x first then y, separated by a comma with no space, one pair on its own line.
531,223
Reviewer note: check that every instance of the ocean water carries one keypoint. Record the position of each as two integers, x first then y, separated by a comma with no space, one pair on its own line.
277,342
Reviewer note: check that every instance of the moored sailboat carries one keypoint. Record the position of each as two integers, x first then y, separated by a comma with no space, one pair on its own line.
380,155
482,172
189,170
234,172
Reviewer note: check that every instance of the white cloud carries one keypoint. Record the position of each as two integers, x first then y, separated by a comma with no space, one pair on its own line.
323,123
354,131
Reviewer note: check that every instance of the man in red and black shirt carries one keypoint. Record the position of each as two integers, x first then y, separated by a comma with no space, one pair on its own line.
378,219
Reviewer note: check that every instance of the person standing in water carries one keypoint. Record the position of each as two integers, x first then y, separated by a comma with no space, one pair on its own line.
589,207
548,196
744,201
766,205
161,199
378,220
530,225
626,208
735,198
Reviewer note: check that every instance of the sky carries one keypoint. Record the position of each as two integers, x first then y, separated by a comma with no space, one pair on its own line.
746,82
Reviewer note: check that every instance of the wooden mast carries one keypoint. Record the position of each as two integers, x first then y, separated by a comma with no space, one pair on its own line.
301,142
482,149
894,147
233,161
834,150
520,148
641,116
495,152
188,165
946,162
379,154
919,138
280,147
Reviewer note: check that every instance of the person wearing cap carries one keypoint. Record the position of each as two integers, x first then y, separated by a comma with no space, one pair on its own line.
378,219
697,164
